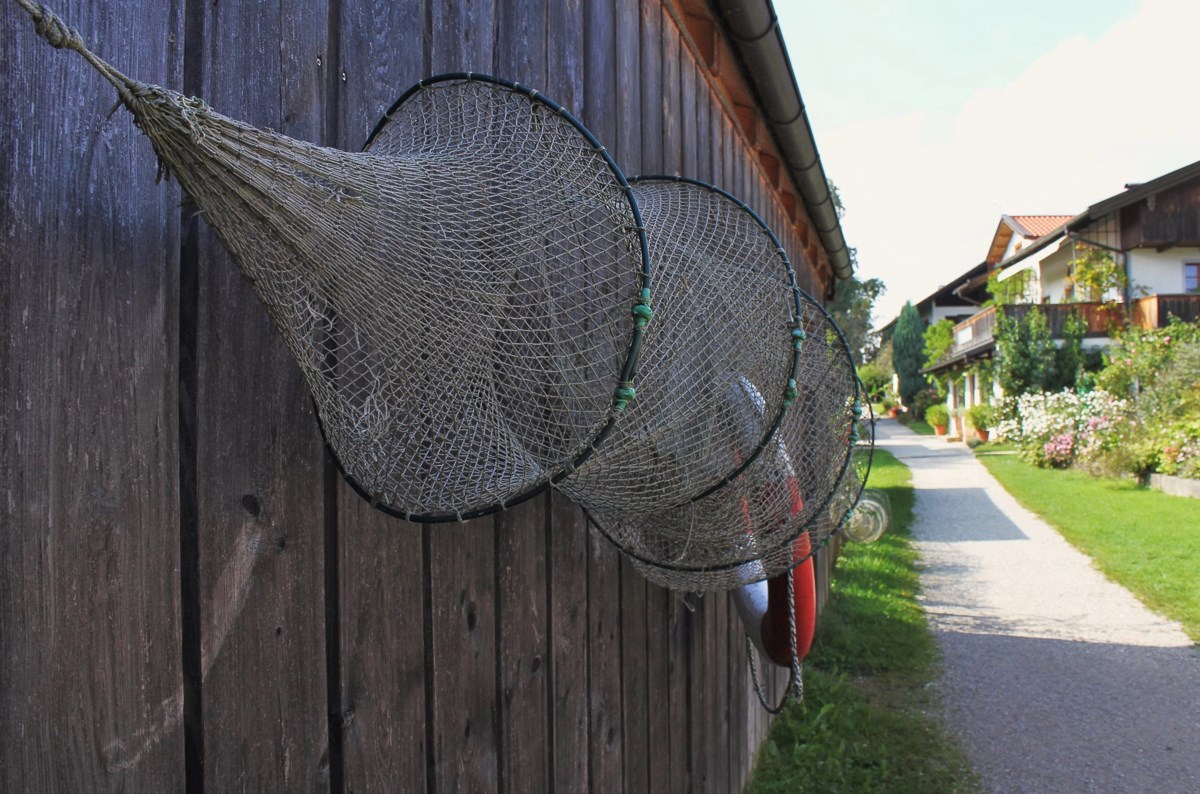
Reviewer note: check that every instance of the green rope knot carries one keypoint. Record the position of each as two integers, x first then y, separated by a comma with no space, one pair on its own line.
643,313
624,395
798,337
857,409
789,394
854,435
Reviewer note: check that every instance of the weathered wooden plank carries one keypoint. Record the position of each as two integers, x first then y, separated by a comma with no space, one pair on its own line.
380,728
604,570
521,639
704,137
718,685
679,615
651,87
634,674
700,695
463,659
259,459
687,116
522,618
567,544
657,627
90,685
672,140
382,650
462,37
567,536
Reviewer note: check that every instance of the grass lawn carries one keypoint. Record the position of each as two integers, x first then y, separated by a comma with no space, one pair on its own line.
864,724
920,426
1145,540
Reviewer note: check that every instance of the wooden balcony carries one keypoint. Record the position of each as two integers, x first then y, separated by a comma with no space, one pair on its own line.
1156,310
975,337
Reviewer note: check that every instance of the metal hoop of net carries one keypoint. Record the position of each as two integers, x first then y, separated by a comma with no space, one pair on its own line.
725,308
747,408
786,504
458,296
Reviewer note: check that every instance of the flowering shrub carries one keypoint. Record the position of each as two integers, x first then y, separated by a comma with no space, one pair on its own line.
1063,428
1139,356
1060,450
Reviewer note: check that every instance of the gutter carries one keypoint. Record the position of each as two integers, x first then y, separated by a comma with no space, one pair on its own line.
754,30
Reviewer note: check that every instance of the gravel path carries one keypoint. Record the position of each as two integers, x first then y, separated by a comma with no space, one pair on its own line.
1056,679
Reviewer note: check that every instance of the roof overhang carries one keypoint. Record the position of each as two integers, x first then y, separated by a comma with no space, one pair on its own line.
754,31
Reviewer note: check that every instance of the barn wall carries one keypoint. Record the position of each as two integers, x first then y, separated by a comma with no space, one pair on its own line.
189,596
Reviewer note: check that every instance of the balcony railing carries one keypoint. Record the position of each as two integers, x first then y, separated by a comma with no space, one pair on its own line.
1156,310
976,335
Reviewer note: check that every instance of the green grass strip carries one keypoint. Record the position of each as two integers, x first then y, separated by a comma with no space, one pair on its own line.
1145,540
864,724
920,426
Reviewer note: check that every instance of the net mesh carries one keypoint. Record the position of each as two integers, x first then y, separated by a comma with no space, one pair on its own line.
712,470
457,296
724,309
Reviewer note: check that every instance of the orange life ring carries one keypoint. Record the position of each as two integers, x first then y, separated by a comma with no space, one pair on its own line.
763,606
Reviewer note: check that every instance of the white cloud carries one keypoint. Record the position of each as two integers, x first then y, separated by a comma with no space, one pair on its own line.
924,192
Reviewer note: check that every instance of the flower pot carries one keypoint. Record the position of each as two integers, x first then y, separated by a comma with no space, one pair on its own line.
983,434
940,429
893,412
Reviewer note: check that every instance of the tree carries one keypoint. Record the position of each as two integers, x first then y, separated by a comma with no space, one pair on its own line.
908,352
939,338
1027,359
1024,353
853,302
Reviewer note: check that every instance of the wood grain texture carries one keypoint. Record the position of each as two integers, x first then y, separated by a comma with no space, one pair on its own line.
90,681
522,623
259,457
163,475
567,535
522,643
381,574
381,648
568,554
462,597
605,728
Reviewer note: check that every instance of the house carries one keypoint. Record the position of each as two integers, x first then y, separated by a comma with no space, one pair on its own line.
1151,231
193,598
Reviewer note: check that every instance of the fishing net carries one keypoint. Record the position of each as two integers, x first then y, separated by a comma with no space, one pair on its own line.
725,306
458,296
468,299
747,412
870,517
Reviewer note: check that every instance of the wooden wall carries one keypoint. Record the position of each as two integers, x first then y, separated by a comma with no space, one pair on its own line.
190,598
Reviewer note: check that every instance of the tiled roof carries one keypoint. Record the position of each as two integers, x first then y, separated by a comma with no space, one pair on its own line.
1035,226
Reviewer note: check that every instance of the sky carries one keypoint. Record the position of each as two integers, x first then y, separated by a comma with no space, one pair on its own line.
934,118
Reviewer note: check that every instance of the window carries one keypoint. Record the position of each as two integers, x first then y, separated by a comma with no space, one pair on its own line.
1191,277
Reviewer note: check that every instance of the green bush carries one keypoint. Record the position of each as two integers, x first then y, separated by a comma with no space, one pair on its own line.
981,417
937,415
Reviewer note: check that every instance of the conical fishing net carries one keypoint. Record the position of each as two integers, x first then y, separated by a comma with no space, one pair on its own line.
725,306
468,300
458,296
743,428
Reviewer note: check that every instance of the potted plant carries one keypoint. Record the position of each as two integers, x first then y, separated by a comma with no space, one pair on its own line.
939,417
889,407
981,417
